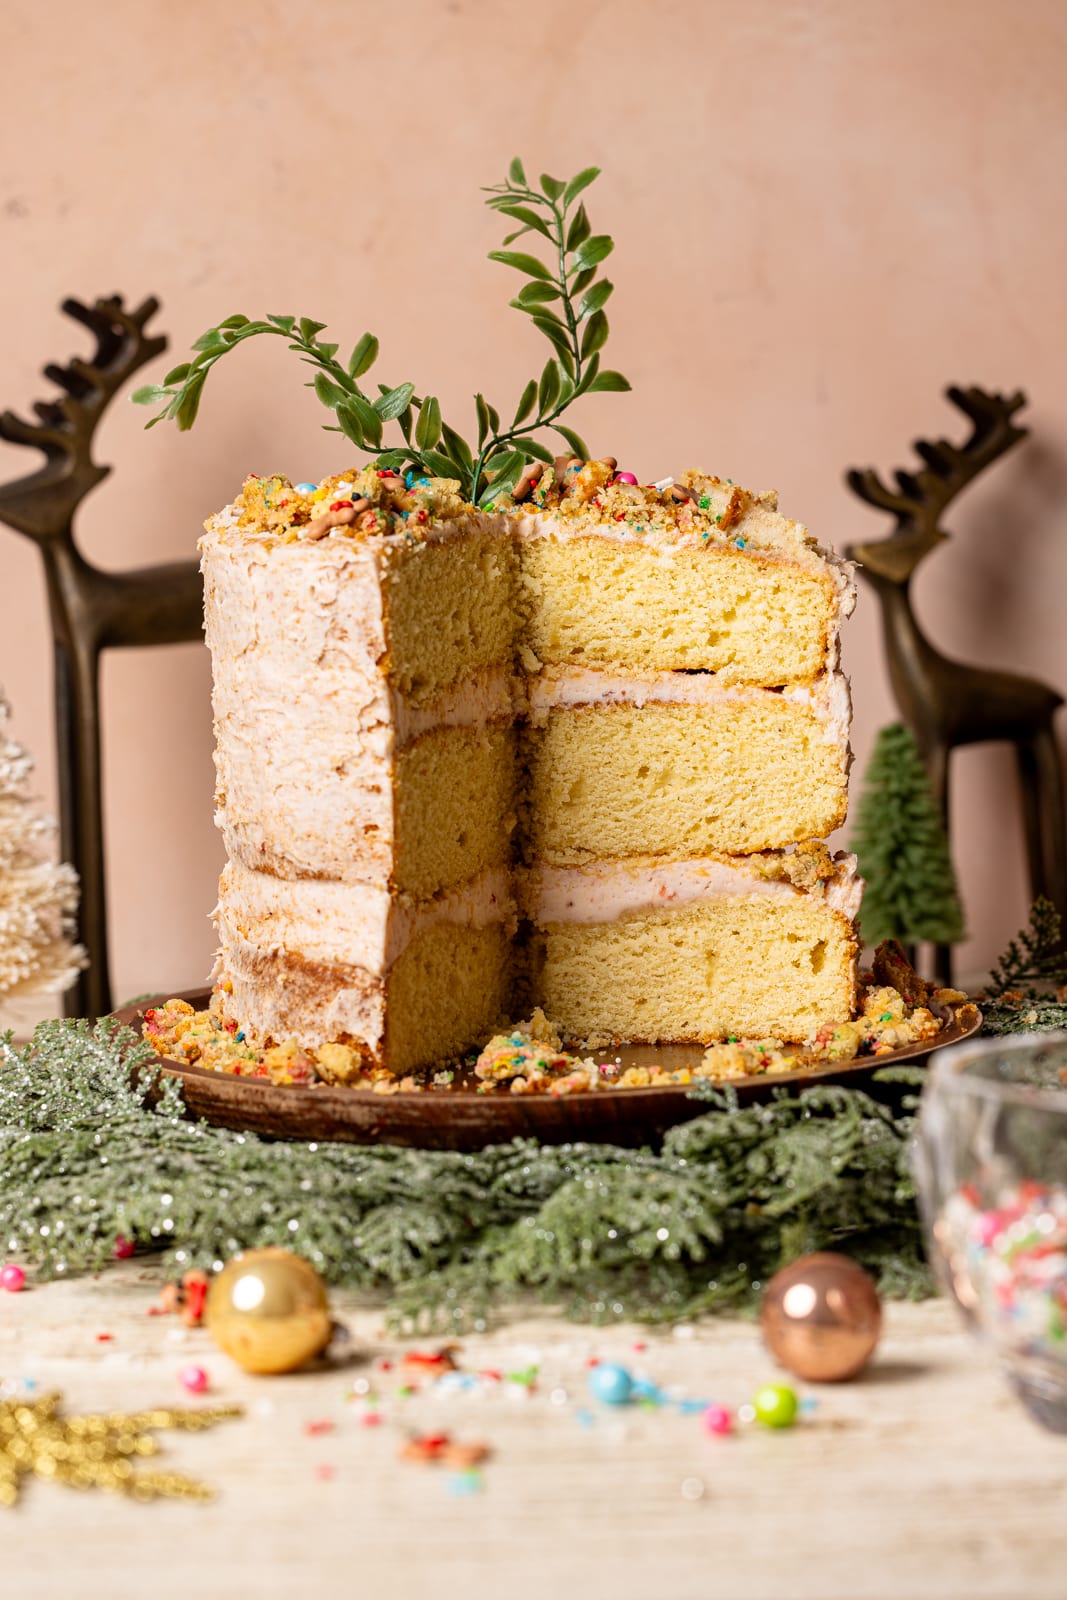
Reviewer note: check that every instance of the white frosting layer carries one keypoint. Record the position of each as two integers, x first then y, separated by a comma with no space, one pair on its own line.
303,721
607,890
828,698
483,697
341,924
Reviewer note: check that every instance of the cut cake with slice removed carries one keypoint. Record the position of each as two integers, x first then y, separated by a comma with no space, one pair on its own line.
408,702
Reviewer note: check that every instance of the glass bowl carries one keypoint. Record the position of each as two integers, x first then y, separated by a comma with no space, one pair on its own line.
991,1167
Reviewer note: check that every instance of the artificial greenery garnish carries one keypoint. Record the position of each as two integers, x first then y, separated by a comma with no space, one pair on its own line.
604,1232
1027,988
86,1159
565,299
1036,957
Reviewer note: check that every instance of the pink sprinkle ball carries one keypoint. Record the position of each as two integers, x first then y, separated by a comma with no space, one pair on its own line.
718,1420
986,1227
12,1278
195,1379
624,477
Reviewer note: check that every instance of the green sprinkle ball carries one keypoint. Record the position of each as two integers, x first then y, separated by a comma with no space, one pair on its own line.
775,1405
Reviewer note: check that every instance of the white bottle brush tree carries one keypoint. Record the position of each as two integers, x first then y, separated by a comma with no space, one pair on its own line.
38,899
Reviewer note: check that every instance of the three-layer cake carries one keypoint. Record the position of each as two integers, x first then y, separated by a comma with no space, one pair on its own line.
571,752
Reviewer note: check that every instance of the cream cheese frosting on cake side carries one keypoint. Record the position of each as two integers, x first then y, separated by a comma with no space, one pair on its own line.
366,767
635,690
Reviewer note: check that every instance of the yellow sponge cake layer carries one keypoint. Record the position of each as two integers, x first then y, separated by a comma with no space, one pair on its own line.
448,604
446,994
751,618
455,806
746,770
698,951
707,972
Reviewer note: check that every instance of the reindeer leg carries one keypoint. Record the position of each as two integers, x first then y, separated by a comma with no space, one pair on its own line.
76,998
1033,832
1048,803
81,815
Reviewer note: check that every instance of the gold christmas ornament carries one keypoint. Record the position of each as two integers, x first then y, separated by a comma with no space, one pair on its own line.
97,1451
268,1310
821,1317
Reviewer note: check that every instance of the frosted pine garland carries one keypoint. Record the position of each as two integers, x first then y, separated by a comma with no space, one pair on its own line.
605,1233
37,898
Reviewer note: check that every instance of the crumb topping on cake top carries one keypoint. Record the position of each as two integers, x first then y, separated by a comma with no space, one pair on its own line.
362,503
697,508
571,497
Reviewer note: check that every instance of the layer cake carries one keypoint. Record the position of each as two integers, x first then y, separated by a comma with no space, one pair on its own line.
569,750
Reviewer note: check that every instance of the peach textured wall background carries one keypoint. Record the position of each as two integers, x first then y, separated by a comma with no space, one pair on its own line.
823,213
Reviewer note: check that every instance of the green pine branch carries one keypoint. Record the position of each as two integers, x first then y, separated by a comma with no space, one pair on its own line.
565,299
602,1231
911,892
1035,959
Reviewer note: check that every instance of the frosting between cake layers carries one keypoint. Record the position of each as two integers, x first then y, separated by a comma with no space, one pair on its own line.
483,697
555,687
607,890
350,925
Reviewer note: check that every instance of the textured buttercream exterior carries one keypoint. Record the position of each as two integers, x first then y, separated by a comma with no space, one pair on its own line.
362,925
297,632
311,959
311,721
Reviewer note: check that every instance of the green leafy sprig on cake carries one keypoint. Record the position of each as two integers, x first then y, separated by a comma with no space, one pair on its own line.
563,296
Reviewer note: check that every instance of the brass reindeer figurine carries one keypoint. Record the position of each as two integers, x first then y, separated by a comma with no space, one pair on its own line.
945,702
90,609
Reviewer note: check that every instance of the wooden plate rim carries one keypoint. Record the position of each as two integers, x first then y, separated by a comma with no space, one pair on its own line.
966,1020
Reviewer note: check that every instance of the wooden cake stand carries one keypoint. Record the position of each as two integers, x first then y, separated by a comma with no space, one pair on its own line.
459,1118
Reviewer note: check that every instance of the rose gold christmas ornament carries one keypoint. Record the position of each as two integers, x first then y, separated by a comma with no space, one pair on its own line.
821,1317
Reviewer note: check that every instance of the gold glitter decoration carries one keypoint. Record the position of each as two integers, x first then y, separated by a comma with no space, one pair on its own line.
95,1451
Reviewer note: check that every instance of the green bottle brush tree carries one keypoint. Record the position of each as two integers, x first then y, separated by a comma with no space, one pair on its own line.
903,854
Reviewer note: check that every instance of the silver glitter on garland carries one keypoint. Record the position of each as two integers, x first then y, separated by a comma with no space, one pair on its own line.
606,1233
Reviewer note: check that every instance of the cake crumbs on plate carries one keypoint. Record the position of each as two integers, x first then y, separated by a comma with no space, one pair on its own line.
531,1058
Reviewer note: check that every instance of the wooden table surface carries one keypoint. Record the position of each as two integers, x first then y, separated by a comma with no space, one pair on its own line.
924,1479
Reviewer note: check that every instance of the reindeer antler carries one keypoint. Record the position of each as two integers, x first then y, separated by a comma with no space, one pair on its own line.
43,503
920,498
